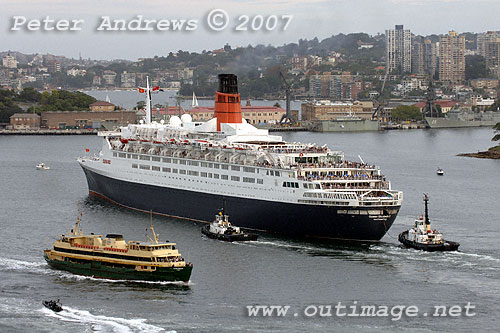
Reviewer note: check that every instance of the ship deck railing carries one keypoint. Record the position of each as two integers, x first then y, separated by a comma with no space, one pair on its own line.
175,151
335,178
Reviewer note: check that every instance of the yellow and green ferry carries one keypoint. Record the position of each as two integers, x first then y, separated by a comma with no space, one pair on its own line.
112,257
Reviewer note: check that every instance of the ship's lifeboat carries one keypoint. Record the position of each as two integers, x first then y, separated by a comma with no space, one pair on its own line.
132,140
124,141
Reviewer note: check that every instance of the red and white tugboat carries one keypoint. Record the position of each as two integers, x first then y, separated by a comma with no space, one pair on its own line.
423,237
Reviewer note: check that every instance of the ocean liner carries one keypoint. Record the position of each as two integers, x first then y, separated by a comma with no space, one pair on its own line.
184,169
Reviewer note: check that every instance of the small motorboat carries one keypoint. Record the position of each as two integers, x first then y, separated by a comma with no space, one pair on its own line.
222,229
423,237
53,305
440,172
42,166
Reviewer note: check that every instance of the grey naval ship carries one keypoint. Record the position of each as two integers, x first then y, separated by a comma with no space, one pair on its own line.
184,169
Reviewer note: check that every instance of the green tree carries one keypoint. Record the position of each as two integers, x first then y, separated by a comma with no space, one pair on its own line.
140,105
495,106
475,67
7,105
406,112
29,94
497,132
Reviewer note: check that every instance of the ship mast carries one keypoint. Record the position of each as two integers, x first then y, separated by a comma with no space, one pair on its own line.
155,235
148,102
426,212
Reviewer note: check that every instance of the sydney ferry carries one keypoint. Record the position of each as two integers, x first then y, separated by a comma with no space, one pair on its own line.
113,258
184,169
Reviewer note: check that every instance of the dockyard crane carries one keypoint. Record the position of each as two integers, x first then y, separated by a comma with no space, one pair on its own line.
379,101
288,115
430,108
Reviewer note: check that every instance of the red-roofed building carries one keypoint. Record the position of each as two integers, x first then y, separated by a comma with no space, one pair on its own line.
172,111
102,106
253,114
445,105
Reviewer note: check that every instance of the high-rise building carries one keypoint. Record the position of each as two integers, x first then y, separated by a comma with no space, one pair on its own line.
417,56
398,50
423,56
452,58
430,56
492,56
484,38
337,87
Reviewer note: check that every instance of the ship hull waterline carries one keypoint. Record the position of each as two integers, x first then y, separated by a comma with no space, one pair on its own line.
95,269
297,220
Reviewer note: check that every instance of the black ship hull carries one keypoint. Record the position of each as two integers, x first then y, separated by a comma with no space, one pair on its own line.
229,237
298,220
444,246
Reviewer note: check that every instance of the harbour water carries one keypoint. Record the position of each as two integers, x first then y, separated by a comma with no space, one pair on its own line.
464,204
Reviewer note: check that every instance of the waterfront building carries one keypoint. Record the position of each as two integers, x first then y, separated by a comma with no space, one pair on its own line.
452,58
128,80
22,121
252,114
327,110
108,78
101,106
398,50
96,80
87,119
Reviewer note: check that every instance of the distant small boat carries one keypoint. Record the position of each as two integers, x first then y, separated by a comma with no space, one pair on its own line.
440,172
42,166
53,305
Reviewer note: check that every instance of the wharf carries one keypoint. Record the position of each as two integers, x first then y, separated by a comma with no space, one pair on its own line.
49,132
287,129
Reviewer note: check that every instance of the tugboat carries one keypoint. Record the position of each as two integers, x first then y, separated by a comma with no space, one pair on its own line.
222,229
440,172
53,305
422,237
113,258
42,166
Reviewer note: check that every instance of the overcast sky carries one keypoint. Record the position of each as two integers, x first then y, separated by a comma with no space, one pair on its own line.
311,18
